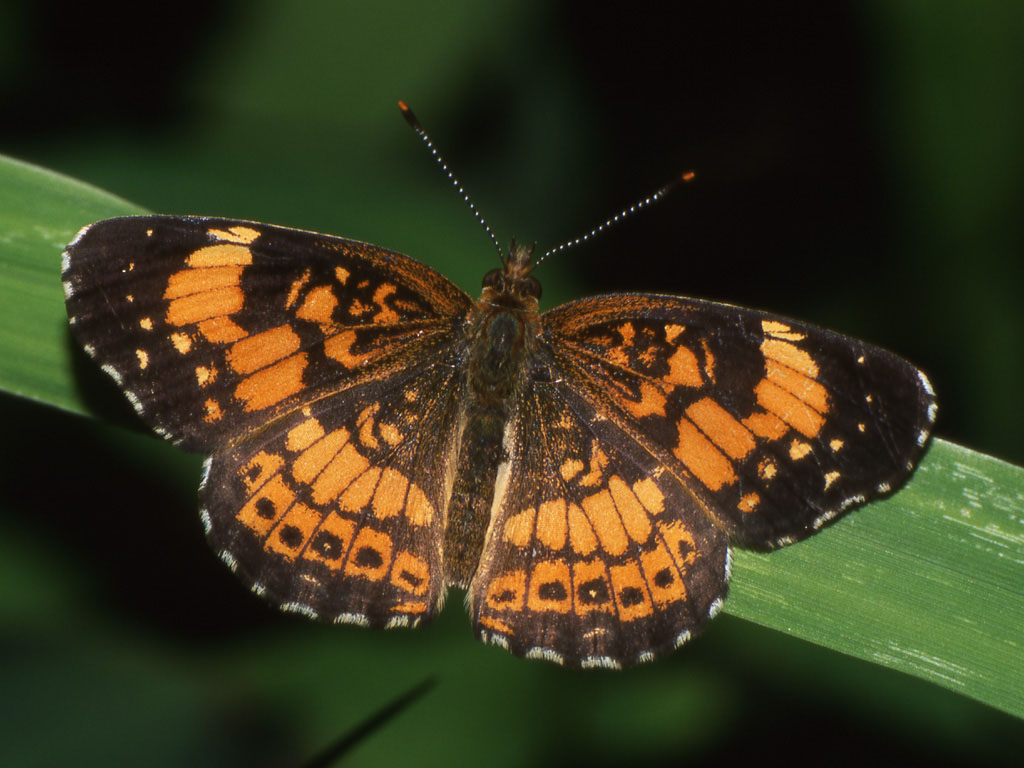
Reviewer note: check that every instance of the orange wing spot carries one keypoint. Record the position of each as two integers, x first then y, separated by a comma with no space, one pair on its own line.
683,369
357,309
680,544
205,375
552,523
339,473
315,457
319,306
365,423
263,509
634,518
195,281
808,390
212,411
652,401
790,355
749,502
798,449
357,496
861,427
296,289
243,235
339,347
830,478
663,577
519,528
767,469
259,351
143,357
593,592
293,531
341,275
630,590
781,331
146,324
220,256
507,592
409,607
628,333
704,460
272,385
370,555
570,468
221,330
724,431
386,315
766,425
258,470
410,573
330,544
650,495
498,626
389,498
598,462
418,509
836,445
581,534
790,409
672,332
203,306
550,587
304,435
709,361
607,524
392,436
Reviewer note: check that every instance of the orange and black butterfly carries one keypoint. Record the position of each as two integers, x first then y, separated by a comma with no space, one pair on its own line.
376,436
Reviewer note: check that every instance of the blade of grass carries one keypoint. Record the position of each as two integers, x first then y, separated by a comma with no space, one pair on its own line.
929,582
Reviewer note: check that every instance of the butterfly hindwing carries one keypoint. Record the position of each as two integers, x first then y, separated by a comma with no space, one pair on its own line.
337,510
596,555
215,326
776,426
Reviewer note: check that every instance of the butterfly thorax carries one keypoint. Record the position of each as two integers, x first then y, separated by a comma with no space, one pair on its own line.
503,329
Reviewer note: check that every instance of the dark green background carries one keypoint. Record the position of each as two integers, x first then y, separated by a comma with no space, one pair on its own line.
859,165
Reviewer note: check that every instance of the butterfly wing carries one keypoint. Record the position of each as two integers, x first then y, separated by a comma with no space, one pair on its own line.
777,426
319,372
215,326
654,431
597,556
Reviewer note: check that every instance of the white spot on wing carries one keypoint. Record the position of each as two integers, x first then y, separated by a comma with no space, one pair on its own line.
358,619
230,562
300,608
600,662
204,517
113,373
546,654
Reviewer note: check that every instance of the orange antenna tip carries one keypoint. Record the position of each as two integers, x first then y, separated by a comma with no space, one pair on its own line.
688,176
410,118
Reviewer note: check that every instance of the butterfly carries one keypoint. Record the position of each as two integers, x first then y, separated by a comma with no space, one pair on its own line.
375,436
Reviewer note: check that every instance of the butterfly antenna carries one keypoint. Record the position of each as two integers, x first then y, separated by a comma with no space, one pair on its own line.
410,118
651,199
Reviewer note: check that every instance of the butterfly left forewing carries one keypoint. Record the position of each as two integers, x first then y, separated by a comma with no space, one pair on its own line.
776,426
213,327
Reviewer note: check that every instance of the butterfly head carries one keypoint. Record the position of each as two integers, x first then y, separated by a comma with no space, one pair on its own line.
513,285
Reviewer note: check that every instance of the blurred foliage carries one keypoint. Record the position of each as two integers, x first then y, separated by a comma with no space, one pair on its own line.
858,166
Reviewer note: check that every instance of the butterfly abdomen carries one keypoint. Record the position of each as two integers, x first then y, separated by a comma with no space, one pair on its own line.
501,346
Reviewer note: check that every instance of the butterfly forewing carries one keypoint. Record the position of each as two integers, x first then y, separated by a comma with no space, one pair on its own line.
775,426
214,327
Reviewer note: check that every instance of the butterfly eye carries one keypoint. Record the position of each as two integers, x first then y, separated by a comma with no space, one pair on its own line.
493,279
531,286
